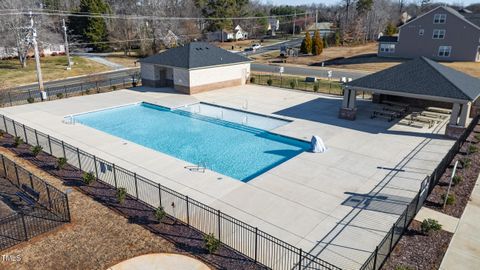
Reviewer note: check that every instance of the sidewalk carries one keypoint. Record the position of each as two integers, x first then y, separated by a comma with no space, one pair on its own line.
464,249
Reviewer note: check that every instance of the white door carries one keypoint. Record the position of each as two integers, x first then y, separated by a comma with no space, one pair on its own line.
478,54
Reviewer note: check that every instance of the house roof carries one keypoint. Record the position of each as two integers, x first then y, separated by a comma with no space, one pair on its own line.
472,19
195,55
425,77
388,39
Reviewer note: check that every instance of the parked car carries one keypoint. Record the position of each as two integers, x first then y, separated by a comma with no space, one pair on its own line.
249,49
256,46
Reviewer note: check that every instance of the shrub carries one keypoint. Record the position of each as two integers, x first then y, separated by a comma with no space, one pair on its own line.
211,243
1,133
472,149
316,87
61,162
121,195
87,91
293,84
466,163
160,213
270,82
252,79
59,95
114,87
450,198
17,141
30,100
36,150
457,179
477,137
428,225
88,177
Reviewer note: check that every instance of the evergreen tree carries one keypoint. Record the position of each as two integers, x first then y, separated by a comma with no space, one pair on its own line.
317,44
91,29
390,29
306,46
325,41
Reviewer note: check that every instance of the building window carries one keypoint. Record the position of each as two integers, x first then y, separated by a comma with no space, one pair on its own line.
439,18
421,32
438,33
444,51
387,48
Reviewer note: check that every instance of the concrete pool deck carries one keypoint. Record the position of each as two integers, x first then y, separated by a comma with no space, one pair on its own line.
338,205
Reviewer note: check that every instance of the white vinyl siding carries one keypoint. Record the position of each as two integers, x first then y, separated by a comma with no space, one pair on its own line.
438,33
387,48
439,18
444,51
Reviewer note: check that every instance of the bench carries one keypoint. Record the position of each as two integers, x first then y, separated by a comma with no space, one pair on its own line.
422,119
384,114
399,110
25,198
394,103
410,123
439,110
434,115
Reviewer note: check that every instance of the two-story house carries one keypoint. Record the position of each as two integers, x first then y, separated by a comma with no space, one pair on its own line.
442,34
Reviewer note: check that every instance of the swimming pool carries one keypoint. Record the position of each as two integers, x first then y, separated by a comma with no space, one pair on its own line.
232,149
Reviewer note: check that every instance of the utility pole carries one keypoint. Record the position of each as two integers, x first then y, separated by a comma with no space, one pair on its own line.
305,22
294,18
37,58
316,19
66,45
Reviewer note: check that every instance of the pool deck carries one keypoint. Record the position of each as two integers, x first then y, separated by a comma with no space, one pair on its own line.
338,204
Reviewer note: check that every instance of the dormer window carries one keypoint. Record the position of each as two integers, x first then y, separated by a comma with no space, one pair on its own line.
439,18
421,31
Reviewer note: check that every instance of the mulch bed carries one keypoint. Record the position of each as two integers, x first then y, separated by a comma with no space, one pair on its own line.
184,237
463,190
418,251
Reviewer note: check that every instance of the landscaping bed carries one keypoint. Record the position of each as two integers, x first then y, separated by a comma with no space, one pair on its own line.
418,251
184,238
469,153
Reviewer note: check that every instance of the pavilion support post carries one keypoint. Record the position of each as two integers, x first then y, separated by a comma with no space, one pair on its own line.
348,110
456,126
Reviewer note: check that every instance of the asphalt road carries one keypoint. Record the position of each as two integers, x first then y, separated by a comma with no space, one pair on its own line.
117,74
289,43
309,72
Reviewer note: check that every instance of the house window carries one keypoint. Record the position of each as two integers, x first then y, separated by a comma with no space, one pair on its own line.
444,51
439,18
421,32
438,33
387,48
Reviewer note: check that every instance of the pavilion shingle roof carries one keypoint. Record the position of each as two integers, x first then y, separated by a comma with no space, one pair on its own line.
195,55
422,76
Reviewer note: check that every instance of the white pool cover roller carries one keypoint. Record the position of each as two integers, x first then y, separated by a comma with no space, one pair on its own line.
317,145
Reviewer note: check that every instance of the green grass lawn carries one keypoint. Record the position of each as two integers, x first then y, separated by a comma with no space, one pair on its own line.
53,68
295,82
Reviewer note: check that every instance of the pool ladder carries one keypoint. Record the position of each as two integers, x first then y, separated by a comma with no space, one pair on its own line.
70,120
200,167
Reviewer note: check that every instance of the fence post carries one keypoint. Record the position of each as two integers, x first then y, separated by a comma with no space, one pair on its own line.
4,166
65,90
406,218
256,244
375,259
391,238
63,148
69,218
5,123
136,184
31,180
160,194
188,212
16,173
79,161
418,200
25,133
24,227
14,128
219,225
49,144
10,98
36,136
114,175
48,195
96,170
300,259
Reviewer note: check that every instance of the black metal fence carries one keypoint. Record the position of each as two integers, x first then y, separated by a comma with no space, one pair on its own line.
250,241
50,207
11,97
383,250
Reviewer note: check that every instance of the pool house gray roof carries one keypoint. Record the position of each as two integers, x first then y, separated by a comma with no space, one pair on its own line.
422,78
195,55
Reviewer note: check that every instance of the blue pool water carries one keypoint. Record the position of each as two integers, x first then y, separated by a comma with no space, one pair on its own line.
228,148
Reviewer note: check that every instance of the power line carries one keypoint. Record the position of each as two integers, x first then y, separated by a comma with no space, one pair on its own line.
138,17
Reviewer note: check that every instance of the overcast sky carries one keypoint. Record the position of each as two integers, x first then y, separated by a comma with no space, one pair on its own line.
300,2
